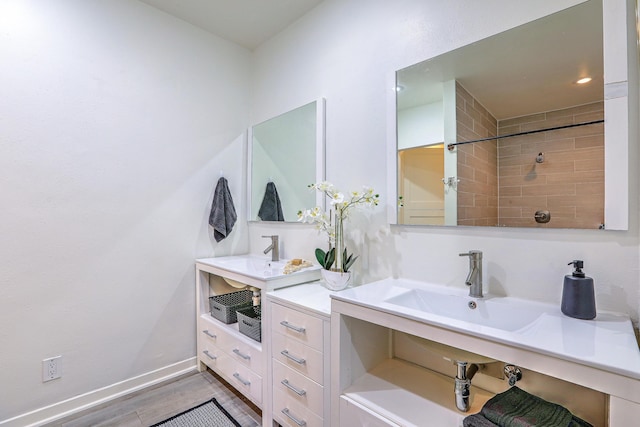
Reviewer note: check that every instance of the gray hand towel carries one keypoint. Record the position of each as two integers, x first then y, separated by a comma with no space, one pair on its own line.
477,420
271,208
517,408
223,213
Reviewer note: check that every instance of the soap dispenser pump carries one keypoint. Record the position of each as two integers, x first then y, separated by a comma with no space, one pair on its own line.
578,295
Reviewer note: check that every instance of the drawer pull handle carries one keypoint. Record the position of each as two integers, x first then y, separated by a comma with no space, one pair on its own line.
301,423
296,390
244,356
209,334
243,381
298,329
209,355
299,361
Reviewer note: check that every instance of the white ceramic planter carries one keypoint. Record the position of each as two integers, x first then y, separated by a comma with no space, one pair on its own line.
335,280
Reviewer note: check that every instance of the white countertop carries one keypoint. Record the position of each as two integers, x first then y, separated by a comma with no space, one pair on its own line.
608,342
257,271
312,296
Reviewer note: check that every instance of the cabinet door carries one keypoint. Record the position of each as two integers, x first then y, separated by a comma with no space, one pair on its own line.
353,414
623,413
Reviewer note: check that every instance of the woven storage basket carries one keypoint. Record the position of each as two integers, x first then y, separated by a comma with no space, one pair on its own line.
249,322
223,307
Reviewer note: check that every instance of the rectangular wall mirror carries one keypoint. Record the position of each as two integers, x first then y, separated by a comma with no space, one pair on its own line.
286,154
502,132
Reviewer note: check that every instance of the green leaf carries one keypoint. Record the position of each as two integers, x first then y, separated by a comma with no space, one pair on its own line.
320,256
350,262
329,259
347,260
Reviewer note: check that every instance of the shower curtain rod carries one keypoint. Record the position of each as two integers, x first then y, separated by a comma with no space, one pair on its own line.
450,147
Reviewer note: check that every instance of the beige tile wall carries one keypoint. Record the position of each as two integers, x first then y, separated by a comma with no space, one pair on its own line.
477,163
570,181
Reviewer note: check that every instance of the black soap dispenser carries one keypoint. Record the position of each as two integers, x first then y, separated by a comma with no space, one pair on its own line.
578,295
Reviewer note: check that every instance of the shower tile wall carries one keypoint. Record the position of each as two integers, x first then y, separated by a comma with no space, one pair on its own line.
570,181
477,163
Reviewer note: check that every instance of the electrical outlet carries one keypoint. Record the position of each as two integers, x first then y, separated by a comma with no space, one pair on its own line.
51,368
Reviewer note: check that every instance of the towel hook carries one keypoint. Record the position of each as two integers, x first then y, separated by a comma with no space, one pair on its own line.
221,174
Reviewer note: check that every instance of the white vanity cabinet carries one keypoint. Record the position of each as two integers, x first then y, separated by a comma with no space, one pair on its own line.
374,384
232,355
240,360
299,343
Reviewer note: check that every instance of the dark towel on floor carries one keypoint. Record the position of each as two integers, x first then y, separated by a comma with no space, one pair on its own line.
271,208
223,213
517,408
477,420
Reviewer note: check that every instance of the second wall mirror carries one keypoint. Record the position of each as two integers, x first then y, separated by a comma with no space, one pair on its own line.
503,92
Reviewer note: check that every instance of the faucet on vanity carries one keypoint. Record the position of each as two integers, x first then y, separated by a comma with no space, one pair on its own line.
273,247
474,279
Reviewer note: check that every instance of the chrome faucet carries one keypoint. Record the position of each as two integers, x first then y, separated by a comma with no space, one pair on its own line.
474,279
273,247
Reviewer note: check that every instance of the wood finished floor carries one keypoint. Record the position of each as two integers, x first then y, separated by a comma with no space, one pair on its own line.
157,403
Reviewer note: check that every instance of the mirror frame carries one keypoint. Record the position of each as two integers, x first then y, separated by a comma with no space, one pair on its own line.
319,153
616,34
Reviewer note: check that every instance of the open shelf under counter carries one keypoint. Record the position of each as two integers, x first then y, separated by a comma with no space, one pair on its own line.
410,395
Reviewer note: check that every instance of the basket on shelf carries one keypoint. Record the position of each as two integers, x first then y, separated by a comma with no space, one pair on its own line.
249,322
223,307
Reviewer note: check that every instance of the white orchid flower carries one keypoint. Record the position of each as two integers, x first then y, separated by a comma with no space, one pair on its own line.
337,198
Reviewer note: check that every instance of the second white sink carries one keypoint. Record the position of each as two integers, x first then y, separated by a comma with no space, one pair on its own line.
500,313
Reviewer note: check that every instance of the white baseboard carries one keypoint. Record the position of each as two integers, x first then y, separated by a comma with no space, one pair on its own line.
93,398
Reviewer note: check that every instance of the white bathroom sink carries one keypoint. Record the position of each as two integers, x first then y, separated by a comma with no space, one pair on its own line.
252,265
257,271
504,313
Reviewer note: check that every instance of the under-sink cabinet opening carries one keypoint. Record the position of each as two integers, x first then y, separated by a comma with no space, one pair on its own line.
385,375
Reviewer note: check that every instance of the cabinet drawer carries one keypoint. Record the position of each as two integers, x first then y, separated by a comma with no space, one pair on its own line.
288,412
247,354
209,332
242,378
296,325
211,355
298,387
299,357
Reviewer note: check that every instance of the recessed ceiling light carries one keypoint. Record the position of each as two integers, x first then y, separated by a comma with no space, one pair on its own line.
584,80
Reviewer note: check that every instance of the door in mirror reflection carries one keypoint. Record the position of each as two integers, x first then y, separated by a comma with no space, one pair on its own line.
420,182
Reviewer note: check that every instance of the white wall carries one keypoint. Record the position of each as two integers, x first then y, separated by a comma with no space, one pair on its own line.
420,126
345,50
115,122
